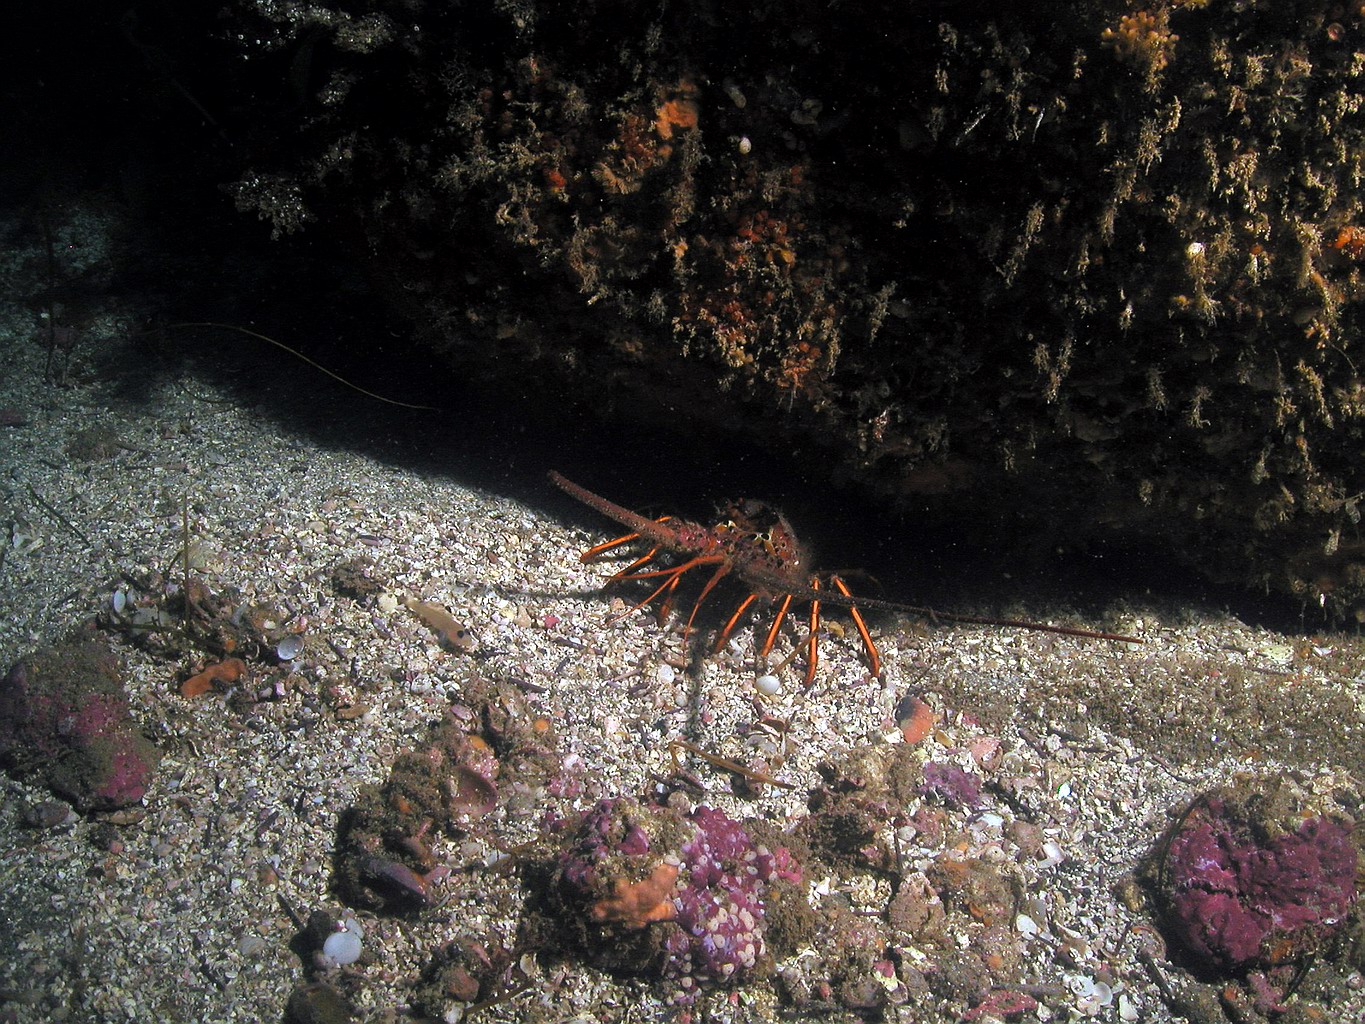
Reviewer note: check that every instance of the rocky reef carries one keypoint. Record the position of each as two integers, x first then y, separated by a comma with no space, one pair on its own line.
700,876
1100,260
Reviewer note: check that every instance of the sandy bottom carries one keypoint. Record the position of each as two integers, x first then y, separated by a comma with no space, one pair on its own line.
120,488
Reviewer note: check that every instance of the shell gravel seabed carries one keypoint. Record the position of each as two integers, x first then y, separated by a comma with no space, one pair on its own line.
182,915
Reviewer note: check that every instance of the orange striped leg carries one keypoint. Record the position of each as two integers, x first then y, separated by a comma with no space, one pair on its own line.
603,548
716,576
666,606
813,644
733,621
668,583
873,656
625,573
598,549
777,624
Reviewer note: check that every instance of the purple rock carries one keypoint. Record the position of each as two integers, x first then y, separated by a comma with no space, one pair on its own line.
64,715
715,934
1244,894
956,788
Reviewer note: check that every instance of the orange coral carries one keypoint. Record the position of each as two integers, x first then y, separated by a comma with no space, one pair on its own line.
769,234
797,363
1351,241
637,904
678,111
1145,40
555,180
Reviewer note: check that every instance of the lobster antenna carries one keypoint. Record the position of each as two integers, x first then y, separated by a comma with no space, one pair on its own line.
303,358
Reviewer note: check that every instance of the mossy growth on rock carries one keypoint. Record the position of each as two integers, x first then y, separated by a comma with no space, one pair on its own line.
1099,260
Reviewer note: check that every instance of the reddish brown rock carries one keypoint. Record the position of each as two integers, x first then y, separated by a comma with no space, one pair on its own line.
64,716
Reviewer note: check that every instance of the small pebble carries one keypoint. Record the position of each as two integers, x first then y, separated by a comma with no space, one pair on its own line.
48,814
342,947
768,685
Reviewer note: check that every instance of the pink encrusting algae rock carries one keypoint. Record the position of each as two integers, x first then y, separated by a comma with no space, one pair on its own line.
1246,893
679,897
64,715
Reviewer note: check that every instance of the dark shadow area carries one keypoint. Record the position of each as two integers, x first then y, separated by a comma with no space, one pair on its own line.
156,142
505,432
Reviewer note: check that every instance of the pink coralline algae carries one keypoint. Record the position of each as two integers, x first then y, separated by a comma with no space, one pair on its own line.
1244,894
956,788
685,894
64,715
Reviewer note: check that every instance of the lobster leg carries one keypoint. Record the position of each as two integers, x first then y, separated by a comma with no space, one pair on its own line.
777,624
716,576
676,570
873,656
733,622
666,605
813,644
599,549
670,582
625,574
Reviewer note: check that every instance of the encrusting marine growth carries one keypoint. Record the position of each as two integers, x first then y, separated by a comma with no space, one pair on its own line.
1256,877
679,897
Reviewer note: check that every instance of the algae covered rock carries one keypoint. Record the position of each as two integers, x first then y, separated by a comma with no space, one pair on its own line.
652,891
1259,875
1099,261
64,716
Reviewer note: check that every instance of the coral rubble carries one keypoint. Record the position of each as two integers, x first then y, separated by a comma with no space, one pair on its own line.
699,881
443,787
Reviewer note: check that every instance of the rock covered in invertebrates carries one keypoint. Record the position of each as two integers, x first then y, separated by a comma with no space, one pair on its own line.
720,905
64,715
1258,875
683,898
448,785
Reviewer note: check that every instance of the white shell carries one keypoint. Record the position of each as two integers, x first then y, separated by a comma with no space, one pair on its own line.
768,685
1052,855
342,947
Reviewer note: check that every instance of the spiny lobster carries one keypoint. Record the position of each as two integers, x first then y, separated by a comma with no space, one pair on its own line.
756,543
